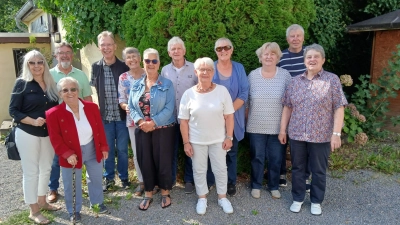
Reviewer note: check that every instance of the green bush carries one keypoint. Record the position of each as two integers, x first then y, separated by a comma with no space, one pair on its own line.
248,24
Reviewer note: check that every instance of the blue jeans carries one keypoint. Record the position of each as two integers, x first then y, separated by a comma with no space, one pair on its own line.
117,136
316,156
283,165
54,183
231,161
265,147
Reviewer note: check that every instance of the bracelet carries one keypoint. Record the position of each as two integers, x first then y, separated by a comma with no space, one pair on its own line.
186,143
337,134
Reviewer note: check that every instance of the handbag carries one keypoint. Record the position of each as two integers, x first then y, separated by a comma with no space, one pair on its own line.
11,147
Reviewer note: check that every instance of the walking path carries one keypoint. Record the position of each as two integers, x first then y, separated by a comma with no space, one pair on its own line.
357,197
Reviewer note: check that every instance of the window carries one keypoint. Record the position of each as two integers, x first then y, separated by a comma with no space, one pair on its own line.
18,59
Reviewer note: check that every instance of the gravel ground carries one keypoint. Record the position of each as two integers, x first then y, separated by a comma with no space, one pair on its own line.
357,197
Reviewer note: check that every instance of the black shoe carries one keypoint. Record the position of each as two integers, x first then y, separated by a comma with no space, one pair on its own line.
77,217
108,184
211,187
231,190
282,181
125,183
308,186
189,188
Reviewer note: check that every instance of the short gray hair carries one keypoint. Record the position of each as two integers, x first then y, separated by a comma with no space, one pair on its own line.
175,40
294,27
315,47
130,50
68,80
221,40
62,44
105,34
272,46
151,51
204,61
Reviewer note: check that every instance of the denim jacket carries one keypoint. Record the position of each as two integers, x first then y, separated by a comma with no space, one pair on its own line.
162,101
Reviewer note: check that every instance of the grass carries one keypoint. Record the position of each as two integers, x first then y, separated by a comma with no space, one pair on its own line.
22,218
378,155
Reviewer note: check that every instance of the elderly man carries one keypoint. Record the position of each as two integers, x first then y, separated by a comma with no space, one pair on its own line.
293,61
64,54
105,74
181,73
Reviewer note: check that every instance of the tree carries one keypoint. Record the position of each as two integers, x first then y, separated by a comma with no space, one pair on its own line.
8,10
248,24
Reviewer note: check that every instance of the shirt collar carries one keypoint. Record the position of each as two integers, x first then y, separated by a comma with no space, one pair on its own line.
184,64
70,110
319,74
59,71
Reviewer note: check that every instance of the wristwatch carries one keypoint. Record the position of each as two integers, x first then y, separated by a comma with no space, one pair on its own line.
229,137
337,134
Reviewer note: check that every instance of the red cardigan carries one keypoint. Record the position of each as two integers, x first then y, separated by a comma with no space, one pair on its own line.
64,135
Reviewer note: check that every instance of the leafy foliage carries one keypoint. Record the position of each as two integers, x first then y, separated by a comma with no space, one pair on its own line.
379,7
248,24
8,10
84,20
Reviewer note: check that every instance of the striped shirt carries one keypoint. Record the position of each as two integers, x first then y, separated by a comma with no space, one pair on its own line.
111,96
293,62
265,101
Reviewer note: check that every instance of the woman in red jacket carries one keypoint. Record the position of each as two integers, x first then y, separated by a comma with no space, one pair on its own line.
77,135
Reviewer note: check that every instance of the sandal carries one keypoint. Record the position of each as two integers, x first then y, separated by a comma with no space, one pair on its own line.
144,201
49,207
38,218
139,190
164,201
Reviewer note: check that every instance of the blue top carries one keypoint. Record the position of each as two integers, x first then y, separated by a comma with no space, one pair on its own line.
162,101
238,88
293,62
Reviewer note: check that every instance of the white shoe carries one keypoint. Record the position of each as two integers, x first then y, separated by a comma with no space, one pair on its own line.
226,205
316,209
201,206
275,194
296,206
255,193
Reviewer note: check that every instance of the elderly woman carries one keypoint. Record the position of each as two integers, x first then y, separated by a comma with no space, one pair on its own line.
77,135
206,114
267,87
231,75
151,106
132,59
314,109
34,92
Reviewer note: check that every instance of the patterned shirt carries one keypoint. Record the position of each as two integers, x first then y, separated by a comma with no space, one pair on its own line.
313,103
111,98
124,86
293,62
265,101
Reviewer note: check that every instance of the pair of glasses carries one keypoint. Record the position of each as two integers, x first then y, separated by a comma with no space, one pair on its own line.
32,63
226,48
66,90
154,61
202,70
64,53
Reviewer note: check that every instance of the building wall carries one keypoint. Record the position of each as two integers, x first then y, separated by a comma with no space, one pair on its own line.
8,75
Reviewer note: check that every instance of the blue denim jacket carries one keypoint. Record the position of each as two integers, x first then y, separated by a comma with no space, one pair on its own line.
162,101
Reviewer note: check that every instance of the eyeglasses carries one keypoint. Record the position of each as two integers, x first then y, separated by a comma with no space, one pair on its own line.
106,45
226,48
202,70
66,90
154,61
32,63
64,53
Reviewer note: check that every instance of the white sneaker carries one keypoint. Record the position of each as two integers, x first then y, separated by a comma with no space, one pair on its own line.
316,209
226,205
296,206
201,206
255,193
275,194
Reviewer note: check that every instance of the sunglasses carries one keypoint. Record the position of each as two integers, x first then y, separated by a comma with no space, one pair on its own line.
41,62
65,90
226,48
154,61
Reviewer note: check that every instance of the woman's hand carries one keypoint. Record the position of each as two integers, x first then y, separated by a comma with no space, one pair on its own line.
336,142
187,147
147,126
72,160
282,137
39,122
105,155
227,144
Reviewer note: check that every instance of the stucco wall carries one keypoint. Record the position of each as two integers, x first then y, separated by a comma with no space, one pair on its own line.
8,75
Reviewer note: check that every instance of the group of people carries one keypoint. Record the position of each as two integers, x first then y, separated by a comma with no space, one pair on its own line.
205,106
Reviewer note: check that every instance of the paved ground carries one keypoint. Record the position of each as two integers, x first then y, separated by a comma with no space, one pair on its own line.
357,197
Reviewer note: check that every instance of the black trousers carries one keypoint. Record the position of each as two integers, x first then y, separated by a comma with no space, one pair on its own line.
154,154
316,156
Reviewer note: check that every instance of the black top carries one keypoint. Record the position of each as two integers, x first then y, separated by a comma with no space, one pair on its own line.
97,81
32,102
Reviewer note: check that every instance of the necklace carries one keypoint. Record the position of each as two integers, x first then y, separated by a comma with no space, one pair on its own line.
199,89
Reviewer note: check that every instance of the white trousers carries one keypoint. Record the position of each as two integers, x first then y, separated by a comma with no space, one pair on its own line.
133,145
218,165
37,155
